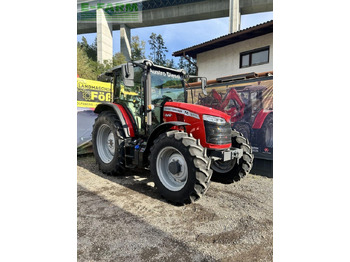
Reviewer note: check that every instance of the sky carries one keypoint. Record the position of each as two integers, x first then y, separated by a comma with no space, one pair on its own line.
180,36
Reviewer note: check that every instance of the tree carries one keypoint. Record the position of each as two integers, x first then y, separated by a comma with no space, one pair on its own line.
181,63
84,68
170,63
91,50
153,45
190,67
118,59
87,65
158,49
137,48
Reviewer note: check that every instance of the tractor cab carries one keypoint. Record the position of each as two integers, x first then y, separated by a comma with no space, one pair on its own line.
143,88
252,97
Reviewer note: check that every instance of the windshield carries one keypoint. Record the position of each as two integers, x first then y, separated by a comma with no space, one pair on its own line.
166,84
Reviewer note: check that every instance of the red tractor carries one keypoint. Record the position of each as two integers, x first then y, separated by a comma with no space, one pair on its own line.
230,103
245,106
153,127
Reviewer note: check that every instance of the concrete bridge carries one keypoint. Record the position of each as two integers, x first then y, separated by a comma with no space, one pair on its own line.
158,12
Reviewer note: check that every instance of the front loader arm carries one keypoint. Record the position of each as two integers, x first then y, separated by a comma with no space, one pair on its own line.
234,96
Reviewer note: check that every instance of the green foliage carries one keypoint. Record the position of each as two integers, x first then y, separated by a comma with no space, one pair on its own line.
90,50
170,63
84,68
190,68
137,48
118,59
158,49
87,65
182,63
89,68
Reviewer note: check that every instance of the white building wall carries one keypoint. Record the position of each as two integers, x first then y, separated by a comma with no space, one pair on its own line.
224,61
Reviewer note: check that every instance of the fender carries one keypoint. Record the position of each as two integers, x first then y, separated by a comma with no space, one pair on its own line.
122,115
260,118
161,129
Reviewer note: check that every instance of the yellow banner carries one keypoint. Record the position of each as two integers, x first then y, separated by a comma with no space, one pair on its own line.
91,93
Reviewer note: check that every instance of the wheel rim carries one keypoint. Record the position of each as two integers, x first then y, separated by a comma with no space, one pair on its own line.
173,182
105,143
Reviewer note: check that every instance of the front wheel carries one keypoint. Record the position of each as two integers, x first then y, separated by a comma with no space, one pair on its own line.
179,167
230,171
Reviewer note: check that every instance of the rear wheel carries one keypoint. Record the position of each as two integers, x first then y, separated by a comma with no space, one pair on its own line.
265,134
230,171
243,128
108,142
179,167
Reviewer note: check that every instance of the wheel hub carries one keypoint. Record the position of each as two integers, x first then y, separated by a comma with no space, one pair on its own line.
172,168
110,143
105,142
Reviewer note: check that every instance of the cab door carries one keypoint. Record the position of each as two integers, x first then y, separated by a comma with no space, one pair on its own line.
131,97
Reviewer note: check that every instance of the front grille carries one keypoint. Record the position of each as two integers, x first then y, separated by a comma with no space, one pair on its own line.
218,134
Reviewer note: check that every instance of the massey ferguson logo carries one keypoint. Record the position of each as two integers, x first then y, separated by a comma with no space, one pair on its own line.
180,111
168,115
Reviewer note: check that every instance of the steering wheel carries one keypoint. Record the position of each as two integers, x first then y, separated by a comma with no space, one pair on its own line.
162,100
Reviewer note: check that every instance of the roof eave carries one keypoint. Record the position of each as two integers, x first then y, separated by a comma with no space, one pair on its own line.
229,39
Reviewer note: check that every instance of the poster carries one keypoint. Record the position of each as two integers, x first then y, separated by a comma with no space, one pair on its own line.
91,93
249,103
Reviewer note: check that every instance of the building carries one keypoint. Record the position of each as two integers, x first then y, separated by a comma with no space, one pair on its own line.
245,51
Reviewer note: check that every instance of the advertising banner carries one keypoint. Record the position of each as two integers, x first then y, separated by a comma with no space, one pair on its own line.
113,11
85,121
91,93
250,105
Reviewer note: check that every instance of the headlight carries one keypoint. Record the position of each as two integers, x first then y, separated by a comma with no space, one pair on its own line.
217,130
214,119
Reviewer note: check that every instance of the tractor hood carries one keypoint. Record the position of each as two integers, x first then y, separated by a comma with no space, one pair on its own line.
197,110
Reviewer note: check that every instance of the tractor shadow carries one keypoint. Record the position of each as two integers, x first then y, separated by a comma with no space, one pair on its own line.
138,180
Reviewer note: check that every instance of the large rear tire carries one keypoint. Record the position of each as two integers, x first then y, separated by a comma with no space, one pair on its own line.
265,134
243,128
179,167
108,143
230,171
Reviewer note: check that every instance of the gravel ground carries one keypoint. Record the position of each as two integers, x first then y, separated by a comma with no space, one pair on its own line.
124,219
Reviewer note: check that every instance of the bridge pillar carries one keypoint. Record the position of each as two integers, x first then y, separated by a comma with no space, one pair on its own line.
104,37
125,41
235,16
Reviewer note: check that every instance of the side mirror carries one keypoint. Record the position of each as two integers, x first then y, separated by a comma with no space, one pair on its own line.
204,85
128,74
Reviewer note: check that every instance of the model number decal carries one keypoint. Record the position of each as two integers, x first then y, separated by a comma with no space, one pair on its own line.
181,111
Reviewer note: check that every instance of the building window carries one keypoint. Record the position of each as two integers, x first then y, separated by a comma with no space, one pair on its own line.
255,57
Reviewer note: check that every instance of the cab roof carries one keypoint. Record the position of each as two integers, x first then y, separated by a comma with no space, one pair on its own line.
109,73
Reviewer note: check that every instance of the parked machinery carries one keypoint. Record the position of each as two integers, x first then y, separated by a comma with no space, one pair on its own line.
182,144
245,107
